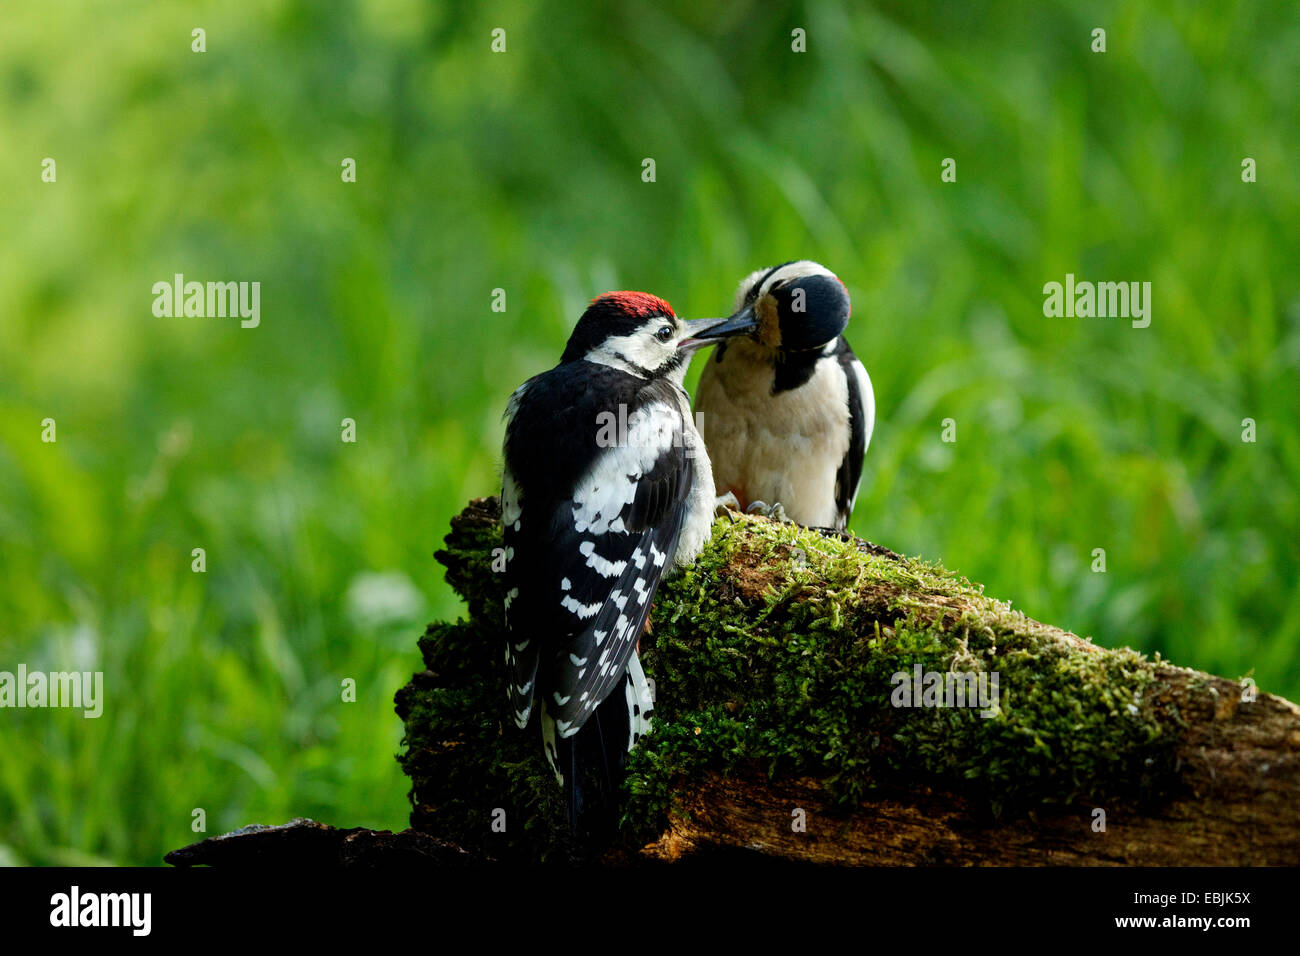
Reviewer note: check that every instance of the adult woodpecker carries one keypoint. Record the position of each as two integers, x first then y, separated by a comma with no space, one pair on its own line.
606,487
787,411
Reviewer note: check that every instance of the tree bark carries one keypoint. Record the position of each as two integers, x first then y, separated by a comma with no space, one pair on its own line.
779,730
306,844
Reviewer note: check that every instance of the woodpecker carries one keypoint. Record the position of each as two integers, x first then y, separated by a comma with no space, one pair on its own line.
787,410
606,487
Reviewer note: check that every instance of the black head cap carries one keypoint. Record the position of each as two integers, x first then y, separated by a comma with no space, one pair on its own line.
613,314
798,305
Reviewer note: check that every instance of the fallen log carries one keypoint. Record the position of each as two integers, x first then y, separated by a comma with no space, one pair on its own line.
822,699
305,844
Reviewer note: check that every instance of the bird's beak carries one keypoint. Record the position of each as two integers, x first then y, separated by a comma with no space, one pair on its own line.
708,331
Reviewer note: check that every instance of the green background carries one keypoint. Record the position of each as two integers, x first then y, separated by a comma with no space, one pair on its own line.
522,171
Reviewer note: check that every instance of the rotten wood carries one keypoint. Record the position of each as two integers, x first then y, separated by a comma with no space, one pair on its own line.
1236,802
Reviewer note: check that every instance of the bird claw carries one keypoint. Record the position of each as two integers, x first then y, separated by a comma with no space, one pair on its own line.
725,504
775,512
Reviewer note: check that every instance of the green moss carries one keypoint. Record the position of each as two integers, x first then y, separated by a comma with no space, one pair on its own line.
777,650
465,762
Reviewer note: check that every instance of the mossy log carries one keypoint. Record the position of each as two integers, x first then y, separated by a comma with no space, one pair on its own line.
304,844
782,727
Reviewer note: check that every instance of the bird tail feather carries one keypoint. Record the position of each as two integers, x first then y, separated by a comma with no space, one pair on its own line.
590,765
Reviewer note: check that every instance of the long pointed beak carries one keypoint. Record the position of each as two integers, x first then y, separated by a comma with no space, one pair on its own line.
707,331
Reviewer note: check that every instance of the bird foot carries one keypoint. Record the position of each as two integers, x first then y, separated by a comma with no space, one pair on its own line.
776,511
725,505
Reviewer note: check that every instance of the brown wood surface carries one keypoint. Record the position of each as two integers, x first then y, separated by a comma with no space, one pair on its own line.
1240,765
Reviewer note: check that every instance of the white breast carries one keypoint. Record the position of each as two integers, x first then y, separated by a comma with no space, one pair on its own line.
699,507
784,447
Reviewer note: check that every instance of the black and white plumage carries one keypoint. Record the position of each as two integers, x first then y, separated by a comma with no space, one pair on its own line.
787,411
605,489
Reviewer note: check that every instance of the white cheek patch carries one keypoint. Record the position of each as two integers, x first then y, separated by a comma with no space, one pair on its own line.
636,353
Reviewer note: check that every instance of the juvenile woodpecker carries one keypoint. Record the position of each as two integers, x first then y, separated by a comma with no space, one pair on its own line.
606,487
787,411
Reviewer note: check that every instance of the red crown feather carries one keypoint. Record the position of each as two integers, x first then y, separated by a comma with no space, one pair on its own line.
640,305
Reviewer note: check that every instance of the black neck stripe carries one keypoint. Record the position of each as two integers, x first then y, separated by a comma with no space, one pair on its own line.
643,372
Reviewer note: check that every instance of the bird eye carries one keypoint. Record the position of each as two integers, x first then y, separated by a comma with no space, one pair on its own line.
665,333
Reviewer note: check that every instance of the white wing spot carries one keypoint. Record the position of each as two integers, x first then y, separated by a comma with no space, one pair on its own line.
583,611
510,499
604,567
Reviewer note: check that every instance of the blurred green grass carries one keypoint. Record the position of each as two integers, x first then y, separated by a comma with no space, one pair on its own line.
522,171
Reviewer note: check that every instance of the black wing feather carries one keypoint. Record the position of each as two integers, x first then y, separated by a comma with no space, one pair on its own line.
582,626
849,475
